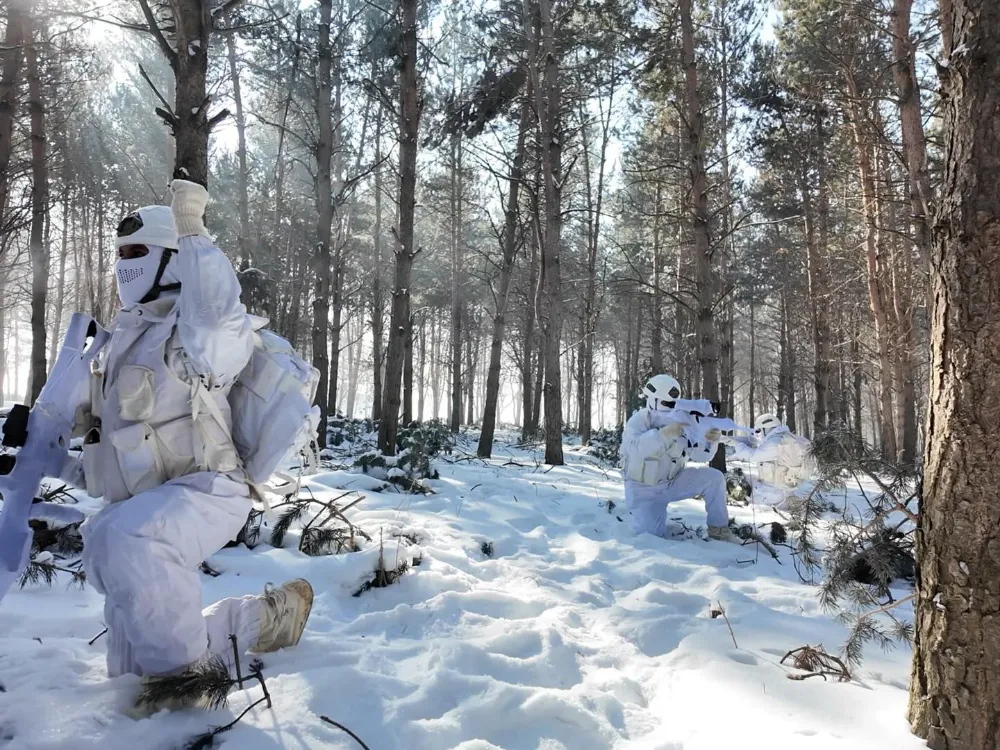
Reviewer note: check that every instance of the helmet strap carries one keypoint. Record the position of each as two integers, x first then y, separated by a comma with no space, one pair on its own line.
155,290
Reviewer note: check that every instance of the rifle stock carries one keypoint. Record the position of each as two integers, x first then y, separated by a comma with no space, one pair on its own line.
43,436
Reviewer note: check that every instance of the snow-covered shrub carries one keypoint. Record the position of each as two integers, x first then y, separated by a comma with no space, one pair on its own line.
342,430
417,444
604,445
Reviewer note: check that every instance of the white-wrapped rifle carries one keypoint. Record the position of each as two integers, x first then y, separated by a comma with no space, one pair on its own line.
43,435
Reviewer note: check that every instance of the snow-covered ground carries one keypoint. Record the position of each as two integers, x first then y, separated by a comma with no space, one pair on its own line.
574,635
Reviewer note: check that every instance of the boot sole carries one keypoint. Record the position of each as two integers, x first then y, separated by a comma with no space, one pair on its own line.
303,588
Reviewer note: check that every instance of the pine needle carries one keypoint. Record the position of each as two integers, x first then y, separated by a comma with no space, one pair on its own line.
206,680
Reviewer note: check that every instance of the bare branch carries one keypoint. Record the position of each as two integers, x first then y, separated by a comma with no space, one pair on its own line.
157,33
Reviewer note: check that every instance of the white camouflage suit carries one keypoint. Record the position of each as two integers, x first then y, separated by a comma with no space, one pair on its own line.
780,462
168,470
656,472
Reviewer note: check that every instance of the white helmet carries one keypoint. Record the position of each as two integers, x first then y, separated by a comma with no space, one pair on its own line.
661,391
142,279
149,225
765,423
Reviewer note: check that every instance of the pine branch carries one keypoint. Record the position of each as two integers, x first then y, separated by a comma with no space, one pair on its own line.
208,680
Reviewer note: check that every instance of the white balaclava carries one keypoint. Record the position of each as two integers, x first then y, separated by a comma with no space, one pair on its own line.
152,226
136,275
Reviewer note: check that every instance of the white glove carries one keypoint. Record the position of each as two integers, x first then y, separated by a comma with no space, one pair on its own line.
713,435
188,205
672,431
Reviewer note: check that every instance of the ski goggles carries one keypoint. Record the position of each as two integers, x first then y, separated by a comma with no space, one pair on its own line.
130,225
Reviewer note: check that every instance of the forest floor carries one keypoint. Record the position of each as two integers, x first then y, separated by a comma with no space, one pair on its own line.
573,635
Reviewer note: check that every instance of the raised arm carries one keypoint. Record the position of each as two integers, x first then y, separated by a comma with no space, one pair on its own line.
212,322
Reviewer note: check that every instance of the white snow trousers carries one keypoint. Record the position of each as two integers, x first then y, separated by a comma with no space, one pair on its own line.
143,555
648,502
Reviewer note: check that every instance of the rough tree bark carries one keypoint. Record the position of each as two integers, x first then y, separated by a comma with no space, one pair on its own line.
409,123
189,121
700,218
954,696
510,246
39,208
904,73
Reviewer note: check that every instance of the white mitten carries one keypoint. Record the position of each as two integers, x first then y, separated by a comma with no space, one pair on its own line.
672,431
188,206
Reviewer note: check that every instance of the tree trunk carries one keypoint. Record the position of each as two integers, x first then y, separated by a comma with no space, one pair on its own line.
61,284
421,378
510,244
243,197
324,207
595,202
819,292
470,368
529,426
698,209
408,372
904,73
337,194
39,208
656,334
457,235
753,363
189,60
954,697
378,303
13,49
409,122
544,64
873,264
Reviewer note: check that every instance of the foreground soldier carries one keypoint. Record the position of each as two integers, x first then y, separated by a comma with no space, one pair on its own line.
161,454
655,450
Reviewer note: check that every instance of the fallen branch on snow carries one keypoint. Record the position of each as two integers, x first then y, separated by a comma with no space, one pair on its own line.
817,663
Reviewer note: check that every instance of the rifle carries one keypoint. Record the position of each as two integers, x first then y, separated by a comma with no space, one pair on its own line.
700,412
43,435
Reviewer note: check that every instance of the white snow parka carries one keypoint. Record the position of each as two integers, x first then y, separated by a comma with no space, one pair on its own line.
650,458
161,390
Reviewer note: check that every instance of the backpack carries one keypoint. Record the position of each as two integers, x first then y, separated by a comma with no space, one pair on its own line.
272,405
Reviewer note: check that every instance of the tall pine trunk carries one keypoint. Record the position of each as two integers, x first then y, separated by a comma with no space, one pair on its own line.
457,237
954,691
904,73
700,218
544,63
13,55
409,123
242,196
324,208
874,262
39,252
510,243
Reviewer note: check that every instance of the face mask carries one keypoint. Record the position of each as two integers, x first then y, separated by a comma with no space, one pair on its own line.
135,276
